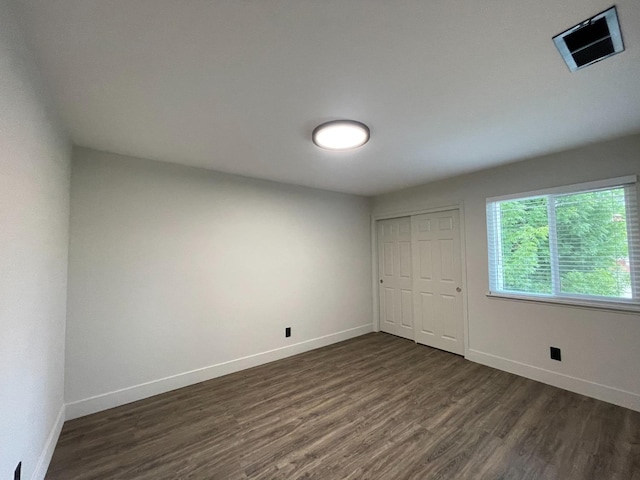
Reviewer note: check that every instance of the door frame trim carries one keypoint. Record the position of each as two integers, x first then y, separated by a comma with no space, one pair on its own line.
463,260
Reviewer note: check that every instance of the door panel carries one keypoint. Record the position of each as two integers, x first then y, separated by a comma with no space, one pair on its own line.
448,313
396,277
437,278
447,261
426,260
388,259
407,308
388,307
405,259
425,310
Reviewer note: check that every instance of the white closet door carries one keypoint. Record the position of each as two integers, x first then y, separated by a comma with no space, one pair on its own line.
394,266
437,282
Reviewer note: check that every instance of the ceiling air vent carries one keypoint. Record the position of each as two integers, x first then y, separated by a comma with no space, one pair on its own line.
591,41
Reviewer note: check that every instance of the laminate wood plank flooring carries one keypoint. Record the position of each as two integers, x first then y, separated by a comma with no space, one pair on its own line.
374,407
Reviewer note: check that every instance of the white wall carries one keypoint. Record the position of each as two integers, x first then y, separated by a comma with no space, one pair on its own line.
34,214
174,269
600,349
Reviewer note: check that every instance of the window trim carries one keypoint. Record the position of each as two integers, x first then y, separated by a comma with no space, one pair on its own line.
589,301
576,187
617,306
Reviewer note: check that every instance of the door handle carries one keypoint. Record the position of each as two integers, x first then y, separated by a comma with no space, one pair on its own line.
458,289
381,281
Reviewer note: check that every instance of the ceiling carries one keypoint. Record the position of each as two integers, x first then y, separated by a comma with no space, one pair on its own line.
446,86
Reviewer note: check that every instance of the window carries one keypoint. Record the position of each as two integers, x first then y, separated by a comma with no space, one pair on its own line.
577,243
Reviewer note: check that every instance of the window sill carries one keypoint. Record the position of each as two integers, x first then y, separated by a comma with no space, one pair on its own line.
612,306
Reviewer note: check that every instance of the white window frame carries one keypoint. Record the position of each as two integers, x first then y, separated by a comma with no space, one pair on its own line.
494,238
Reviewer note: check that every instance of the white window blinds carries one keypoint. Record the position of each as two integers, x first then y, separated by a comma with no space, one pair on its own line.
576,242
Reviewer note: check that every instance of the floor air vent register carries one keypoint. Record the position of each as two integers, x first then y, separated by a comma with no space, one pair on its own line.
591,40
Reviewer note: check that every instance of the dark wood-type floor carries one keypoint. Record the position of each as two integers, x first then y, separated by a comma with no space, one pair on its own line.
375,407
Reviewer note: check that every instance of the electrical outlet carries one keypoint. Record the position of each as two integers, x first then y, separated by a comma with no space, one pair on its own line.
17,474
287,332
555,354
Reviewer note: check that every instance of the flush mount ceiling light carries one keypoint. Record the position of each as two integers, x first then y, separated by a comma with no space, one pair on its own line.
341,135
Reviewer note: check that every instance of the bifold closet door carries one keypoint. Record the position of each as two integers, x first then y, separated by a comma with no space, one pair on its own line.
437,283
395,277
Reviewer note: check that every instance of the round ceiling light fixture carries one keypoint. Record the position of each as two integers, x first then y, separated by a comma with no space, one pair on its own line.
341,135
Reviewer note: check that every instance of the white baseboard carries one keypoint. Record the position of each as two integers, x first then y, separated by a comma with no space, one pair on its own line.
45,457
578,385
105,401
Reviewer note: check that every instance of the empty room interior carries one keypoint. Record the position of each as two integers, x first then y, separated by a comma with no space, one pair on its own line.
356,239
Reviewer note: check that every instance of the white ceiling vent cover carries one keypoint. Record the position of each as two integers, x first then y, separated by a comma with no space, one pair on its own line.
591,41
